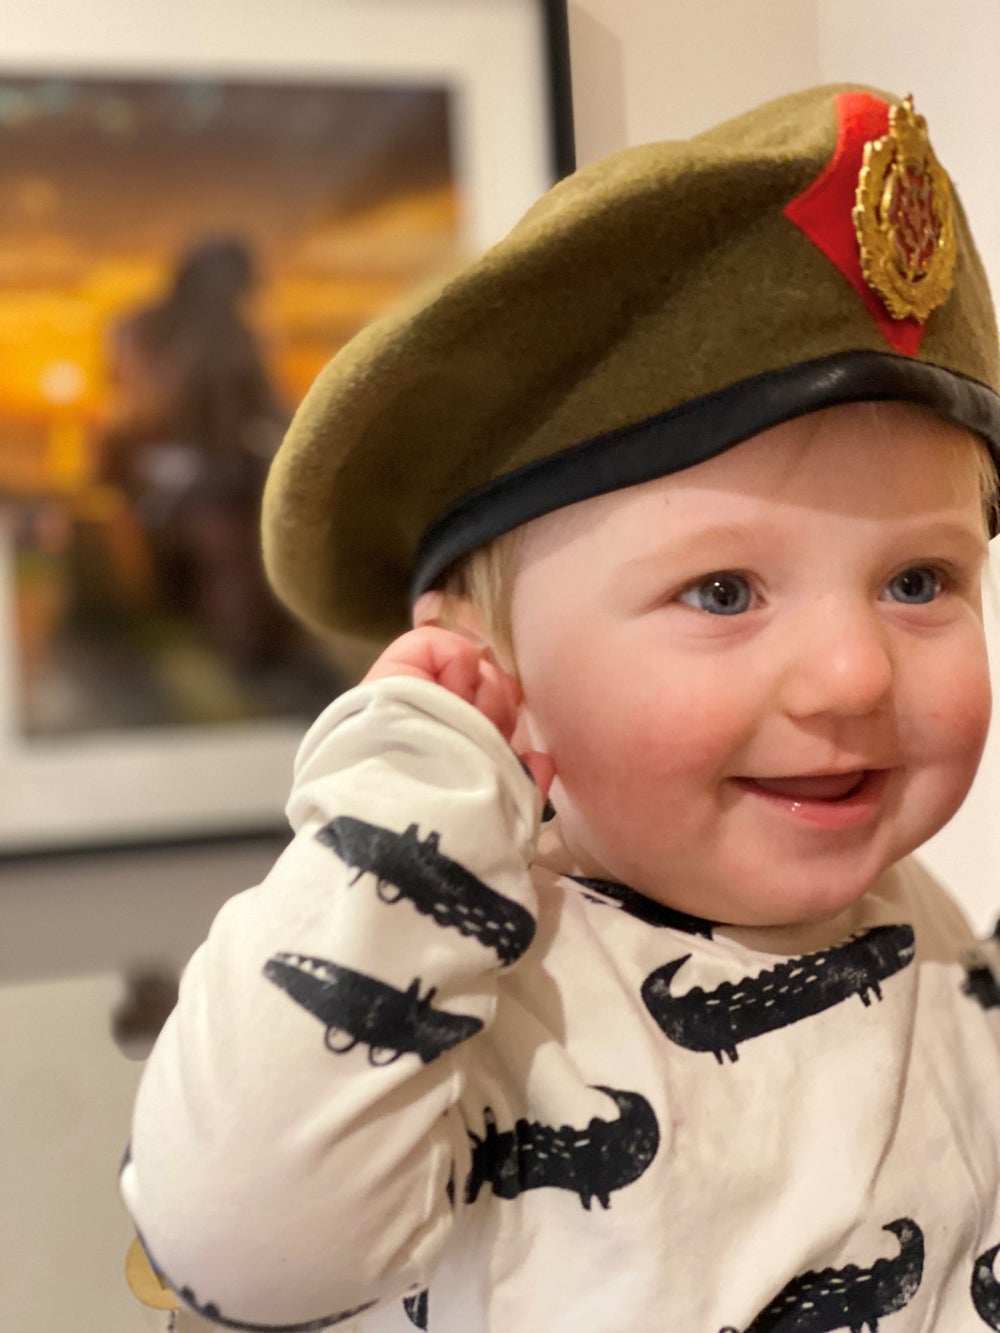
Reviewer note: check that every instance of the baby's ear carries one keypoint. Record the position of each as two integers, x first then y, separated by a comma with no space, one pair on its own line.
451,611
427,609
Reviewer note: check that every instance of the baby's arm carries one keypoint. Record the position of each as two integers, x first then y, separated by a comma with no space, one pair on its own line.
297,1151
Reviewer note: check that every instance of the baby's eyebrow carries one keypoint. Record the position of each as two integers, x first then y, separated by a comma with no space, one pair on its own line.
967,535
676,545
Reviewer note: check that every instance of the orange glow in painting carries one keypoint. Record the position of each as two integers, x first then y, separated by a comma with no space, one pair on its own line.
180,259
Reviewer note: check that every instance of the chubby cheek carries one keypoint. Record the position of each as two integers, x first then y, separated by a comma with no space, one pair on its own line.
628,751
963,721
948,728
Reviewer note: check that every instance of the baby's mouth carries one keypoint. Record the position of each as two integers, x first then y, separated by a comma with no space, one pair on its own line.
818,787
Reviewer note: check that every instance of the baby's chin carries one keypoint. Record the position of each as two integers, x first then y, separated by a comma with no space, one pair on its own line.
744,895
755,904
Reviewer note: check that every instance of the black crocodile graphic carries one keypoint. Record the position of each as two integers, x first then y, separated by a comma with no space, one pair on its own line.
719,1020
211,1311
405,867
981,985
356,1008
853,1298
644,909
985,1289
592,1162
416,1308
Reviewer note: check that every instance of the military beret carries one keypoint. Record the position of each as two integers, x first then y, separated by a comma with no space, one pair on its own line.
647,313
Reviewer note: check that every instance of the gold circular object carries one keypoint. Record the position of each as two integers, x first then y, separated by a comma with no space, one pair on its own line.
145,1284
904,218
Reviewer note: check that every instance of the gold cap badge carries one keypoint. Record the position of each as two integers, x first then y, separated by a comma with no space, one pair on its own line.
903,218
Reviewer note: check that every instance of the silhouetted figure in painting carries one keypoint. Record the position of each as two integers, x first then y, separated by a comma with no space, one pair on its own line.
195,423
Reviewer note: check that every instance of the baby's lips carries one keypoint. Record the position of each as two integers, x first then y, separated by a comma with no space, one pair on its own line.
819,787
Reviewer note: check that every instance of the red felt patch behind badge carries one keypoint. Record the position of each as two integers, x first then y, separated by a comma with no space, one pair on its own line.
823,210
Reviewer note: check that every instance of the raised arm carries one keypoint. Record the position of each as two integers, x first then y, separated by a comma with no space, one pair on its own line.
296,1143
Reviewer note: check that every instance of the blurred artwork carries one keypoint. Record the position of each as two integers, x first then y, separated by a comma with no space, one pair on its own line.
180,259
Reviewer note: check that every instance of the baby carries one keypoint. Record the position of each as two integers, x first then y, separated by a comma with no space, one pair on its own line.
687,489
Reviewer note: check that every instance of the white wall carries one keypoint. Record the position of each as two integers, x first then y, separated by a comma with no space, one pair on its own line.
664,69
656,69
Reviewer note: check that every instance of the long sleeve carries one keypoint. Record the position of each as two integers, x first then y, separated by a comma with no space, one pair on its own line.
296,1139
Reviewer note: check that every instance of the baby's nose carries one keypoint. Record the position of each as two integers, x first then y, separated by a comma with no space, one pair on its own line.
840,663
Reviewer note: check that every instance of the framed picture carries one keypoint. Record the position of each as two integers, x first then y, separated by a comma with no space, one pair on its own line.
200,204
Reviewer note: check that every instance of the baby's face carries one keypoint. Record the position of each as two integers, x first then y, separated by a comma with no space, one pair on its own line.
763,680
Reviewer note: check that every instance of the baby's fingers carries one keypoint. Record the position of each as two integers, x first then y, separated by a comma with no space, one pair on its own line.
497,697
458,669
433,654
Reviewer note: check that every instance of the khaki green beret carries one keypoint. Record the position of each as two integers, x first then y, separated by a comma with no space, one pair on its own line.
647,313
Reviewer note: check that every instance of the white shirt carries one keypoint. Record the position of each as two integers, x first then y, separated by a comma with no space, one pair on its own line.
418,1062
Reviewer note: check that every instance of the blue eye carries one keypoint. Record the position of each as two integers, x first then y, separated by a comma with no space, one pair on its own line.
914,587
719,595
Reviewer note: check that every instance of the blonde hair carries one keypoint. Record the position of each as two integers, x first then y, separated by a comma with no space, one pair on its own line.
486,578
989,485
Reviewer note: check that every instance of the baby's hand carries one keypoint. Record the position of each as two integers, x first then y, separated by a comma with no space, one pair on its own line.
454,662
